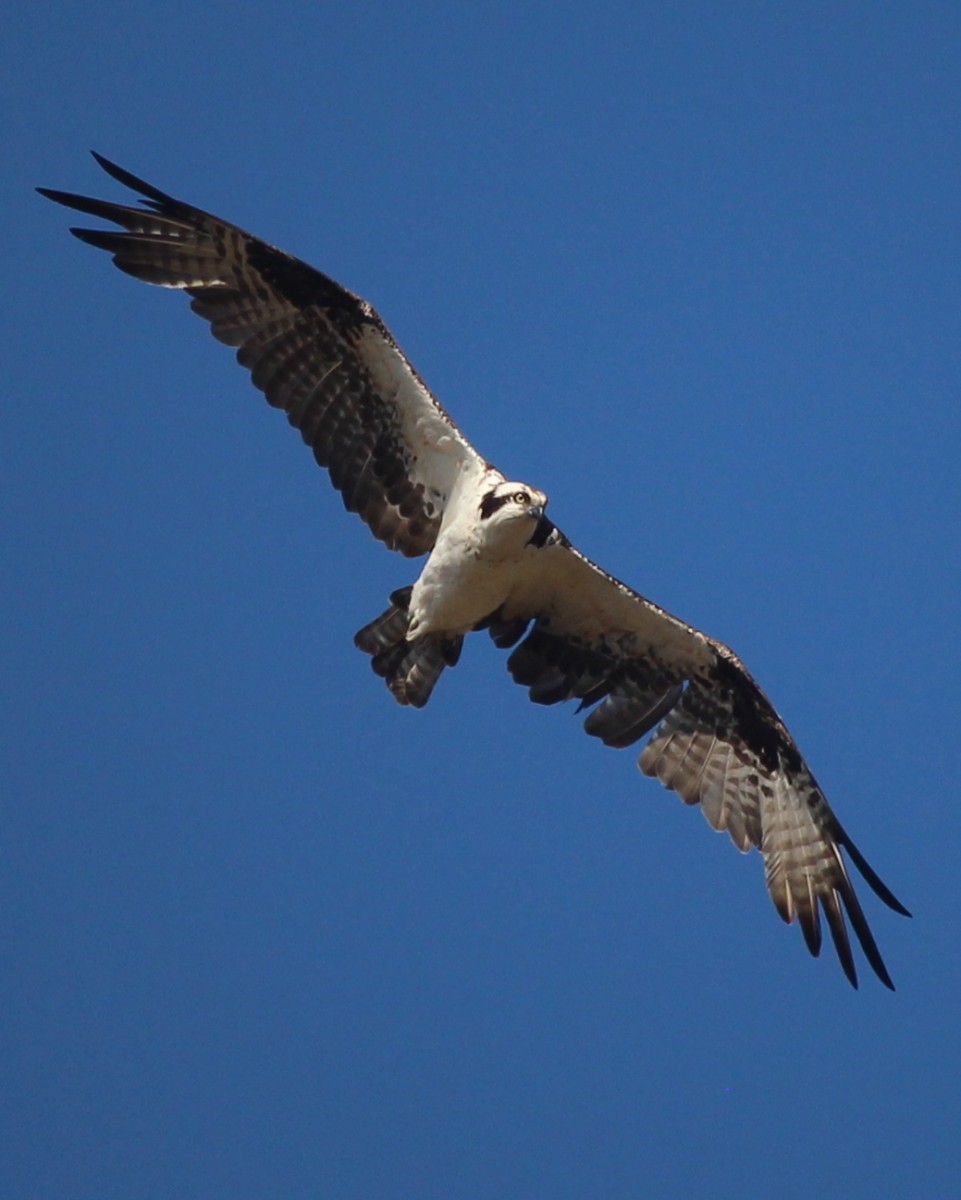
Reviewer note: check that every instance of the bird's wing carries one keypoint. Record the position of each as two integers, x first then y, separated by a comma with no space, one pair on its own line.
316,350
717,739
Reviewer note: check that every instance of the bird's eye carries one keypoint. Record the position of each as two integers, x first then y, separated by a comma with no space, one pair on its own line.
521,498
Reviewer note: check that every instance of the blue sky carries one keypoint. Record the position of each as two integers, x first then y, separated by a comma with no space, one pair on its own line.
694,270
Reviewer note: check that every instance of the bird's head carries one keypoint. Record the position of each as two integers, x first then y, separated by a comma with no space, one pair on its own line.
516,510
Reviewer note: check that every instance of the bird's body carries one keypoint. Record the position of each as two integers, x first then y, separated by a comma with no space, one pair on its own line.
476,563
494,559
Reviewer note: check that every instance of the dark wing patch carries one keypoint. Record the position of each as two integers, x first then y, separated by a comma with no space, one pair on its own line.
317,351
718,741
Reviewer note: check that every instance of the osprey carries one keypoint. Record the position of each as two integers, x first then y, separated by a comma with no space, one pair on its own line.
495,560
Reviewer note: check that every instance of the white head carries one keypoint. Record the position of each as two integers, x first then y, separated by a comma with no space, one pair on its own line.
514,513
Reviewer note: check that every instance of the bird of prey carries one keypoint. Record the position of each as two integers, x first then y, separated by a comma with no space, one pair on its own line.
494,559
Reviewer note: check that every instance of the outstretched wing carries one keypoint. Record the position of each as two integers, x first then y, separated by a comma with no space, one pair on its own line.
316,350
717,739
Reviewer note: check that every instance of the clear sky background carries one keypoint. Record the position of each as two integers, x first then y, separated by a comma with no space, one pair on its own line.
693,269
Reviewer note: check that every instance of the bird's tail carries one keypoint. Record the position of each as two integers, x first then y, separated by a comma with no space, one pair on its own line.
411,668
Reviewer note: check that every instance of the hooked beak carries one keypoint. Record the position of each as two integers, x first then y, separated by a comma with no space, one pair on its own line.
543,528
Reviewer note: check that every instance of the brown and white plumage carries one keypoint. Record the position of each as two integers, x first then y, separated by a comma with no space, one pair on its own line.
495,561
313,348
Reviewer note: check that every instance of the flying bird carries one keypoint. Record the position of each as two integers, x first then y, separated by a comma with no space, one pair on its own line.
495,560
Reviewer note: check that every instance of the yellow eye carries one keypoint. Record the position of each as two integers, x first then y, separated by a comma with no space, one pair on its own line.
521,498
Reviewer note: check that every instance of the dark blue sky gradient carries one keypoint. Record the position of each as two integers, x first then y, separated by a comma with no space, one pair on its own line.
694,269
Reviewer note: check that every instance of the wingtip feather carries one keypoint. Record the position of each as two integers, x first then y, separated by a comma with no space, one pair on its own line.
128,179
871,878
865,936
839,935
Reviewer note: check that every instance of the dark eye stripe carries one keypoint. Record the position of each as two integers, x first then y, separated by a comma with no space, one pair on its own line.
491,503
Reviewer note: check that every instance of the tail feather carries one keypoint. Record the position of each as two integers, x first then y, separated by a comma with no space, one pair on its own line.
411,668
388,629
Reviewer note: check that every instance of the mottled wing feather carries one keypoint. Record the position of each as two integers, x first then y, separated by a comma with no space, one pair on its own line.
317,351
717,740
